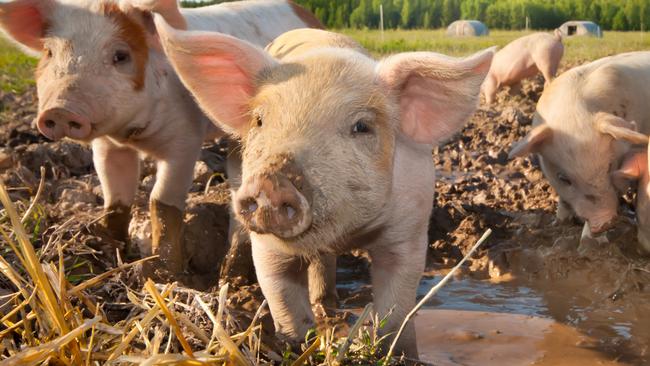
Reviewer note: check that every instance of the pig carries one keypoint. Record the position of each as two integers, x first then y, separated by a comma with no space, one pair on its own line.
584,123
103,79
521,59
635,168
336,155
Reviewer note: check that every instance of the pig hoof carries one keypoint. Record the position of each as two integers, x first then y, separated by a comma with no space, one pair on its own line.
115,222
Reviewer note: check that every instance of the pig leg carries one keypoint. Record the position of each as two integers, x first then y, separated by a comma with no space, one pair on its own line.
322,282
239,261
167,202
489,89
549,70
283,279
396,272
118,168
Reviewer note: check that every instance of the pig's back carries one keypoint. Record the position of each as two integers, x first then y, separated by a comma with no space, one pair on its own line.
616,84
256,21
518,57
300,41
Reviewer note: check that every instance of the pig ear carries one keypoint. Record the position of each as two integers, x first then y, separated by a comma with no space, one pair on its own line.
437,94
169,9
635,166
532,142
619,128
25,22
219,70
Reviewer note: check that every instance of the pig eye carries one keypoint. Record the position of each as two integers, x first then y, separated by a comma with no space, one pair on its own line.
361,127
121,57
564,179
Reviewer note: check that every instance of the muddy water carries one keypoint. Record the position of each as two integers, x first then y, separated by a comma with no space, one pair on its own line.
518,322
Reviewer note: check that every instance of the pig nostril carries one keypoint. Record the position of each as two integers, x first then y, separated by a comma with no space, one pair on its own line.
289,210
248,207
75,125
50,124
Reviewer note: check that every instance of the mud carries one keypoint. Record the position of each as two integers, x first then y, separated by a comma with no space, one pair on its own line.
553,302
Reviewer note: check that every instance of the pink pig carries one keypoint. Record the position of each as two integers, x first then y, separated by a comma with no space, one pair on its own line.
523,58
336,154
585,122
103,79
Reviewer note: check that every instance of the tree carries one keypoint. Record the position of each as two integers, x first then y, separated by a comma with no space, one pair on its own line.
406,14
620,21
450,11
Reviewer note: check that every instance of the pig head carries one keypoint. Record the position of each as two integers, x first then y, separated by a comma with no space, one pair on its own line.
336,155
91,77
584,124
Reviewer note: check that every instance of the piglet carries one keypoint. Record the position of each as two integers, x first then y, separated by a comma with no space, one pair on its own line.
523,58
585,122
102,79
336,154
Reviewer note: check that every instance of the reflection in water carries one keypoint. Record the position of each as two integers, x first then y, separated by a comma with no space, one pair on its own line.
470,294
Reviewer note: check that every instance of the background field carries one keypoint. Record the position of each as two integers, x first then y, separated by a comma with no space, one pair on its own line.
17,68
577,49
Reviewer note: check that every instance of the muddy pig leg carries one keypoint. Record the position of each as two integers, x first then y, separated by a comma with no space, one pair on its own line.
118,169
238,263
167,202
322,283
283,279
396,271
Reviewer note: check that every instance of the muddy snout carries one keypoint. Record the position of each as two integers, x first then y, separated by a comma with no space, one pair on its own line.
599,227
57,123
276,203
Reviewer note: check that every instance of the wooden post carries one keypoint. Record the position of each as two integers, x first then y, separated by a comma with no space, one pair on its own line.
381,21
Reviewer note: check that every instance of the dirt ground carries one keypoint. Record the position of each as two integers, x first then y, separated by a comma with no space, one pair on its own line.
587,287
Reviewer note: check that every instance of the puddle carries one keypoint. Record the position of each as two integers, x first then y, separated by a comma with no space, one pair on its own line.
482,322
459,337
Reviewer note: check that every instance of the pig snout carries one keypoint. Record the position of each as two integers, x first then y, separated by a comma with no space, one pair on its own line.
601,225
57,123
275,204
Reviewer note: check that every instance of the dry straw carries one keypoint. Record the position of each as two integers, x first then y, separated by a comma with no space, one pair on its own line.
46,321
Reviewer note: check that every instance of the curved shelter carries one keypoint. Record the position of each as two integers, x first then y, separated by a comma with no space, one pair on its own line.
467,28
580,28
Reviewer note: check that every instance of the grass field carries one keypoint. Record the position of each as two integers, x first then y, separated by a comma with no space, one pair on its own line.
577,48
17,69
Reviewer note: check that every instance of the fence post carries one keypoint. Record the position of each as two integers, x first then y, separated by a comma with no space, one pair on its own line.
381,21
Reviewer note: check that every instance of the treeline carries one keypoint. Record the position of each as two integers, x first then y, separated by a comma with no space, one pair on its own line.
500,14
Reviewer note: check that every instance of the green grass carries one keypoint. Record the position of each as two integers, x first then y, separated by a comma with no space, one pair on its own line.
577,48
16,68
